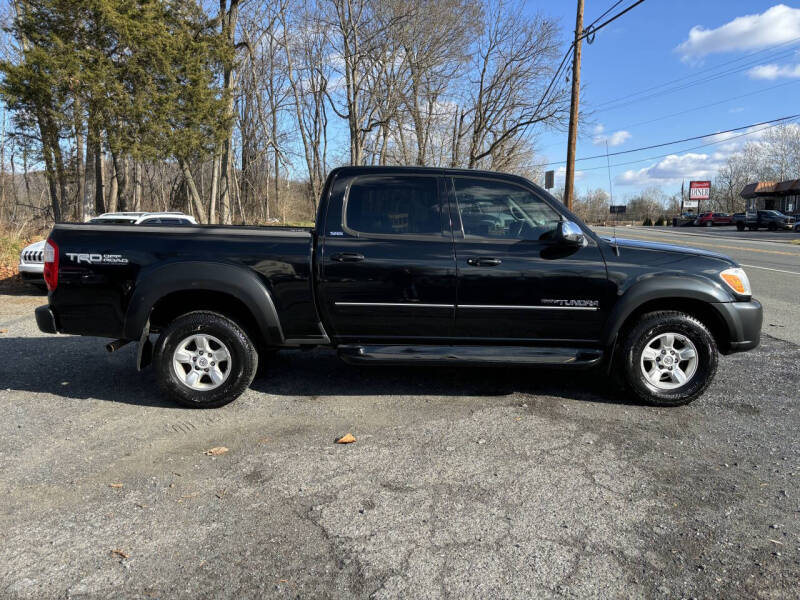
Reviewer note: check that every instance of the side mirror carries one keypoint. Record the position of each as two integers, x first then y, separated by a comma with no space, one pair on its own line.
569,233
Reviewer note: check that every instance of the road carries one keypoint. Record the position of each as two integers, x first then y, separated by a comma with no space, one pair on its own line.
771,261
479,483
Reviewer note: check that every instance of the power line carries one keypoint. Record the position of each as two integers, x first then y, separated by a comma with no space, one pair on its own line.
708,105
650,158
591,30
661,145
613,6
699,80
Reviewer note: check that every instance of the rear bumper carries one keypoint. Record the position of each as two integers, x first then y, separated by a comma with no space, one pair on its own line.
744,321
46,320
31,271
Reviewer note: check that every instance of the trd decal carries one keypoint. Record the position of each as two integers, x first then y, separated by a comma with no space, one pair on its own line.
97,259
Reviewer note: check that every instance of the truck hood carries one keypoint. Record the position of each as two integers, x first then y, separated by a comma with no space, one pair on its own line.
641,244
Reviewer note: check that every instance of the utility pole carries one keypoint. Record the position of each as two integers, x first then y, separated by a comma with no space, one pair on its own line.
569,185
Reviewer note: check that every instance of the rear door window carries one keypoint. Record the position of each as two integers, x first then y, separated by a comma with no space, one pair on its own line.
394,205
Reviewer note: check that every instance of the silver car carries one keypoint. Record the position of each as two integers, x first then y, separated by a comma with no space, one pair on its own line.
31,264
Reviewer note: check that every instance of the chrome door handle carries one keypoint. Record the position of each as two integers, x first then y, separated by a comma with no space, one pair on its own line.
347,257
484,261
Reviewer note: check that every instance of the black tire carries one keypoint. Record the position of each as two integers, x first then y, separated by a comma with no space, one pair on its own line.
243,367
772,227
740,226
709,223
649,327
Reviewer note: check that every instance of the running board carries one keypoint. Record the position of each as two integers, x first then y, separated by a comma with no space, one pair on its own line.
472,355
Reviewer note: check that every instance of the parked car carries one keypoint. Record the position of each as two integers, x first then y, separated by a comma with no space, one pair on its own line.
405,266
31,264
768,219
709,219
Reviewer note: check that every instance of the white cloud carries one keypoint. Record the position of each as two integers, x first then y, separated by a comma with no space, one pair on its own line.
615,139
673,169
772,71
774,26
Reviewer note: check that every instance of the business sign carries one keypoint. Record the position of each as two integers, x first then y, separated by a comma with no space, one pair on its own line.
617,209
698,190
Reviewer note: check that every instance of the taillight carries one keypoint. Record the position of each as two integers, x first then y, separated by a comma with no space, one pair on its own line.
51,264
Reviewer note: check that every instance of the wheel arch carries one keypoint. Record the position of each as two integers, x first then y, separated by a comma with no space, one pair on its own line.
692,296
183,287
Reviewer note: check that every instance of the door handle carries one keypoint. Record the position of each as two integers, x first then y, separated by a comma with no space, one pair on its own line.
483,261
347,257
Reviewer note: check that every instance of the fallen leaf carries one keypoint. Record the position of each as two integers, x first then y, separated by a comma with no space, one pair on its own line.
347,438
216,451
120,553
115,485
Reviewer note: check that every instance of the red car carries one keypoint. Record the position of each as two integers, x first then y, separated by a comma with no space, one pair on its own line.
709,219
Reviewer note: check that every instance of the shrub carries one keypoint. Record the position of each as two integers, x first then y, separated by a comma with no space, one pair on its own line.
648,222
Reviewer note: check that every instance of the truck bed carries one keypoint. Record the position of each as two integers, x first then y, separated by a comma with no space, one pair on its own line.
103,268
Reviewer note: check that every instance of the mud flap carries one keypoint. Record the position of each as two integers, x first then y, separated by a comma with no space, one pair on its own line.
145,355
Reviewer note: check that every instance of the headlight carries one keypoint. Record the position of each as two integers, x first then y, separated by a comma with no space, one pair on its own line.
737,280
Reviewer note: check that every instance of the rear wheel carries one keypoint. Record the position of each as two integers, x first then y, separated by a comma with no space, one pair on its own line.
204,360
772,227
740,226
670,358
709,223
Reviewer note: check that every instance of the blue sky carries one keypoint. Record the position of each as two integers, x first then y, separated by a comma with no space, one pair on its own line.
652,45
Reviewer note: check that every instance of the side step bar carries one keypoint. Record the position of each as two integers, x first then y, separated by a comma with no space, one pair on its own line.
472,355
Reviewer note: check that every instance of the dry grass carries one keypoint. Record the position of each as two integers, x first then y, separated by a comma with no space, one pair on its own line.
12,241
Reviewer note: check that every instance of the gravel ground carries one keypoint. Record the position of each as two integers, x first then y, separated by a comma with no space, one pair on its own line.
463,483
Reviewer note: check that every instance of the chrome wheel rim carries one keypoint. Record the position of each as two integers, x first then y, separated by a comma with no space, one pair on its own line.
669,361
201,362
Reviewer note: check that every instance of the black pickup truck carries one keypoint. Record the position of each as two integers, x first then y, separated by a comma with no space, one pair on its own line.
768,219
405,266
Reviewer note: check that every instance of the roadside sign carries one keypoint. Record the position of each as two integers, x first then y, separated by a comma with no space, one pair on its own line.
698,190
549,180
617,209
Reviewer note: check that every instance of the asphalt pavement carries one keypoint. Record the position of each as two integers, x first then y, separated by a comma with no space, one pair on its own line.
463,483
770,259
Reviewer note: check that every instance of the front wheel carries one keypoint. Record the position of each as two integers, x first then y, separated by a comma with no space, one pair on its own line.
709,223
670,358
204,360
740,226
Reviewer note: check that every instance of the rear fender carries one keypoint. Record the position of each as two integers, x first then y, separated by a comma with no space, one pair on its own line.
232,280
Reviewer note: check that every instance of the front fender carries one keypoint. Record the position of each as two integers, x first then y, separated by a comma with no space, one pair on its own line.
236,281
661,287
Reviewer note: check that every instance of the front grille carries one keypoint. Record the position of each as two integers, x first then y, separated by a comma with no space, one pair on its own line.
33,256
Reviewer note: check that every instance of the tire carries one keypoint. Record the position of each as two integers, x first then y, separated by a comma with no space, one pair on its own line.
740,226
709,223
652,332
191,342
772,227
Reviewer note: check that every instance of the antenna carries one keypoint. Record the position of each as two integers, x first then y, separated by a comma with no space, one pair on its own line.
611,200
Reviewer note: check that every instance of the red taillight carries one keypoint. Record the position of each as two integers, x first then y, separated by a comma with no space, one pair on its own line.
51,264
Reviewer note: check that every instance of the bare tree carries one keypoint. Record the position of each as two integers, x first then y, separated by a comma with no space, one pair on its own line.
513,67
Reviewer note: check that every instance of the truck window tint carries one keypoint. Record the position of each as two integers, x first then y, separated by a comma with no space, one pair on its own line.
400,205
492,209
